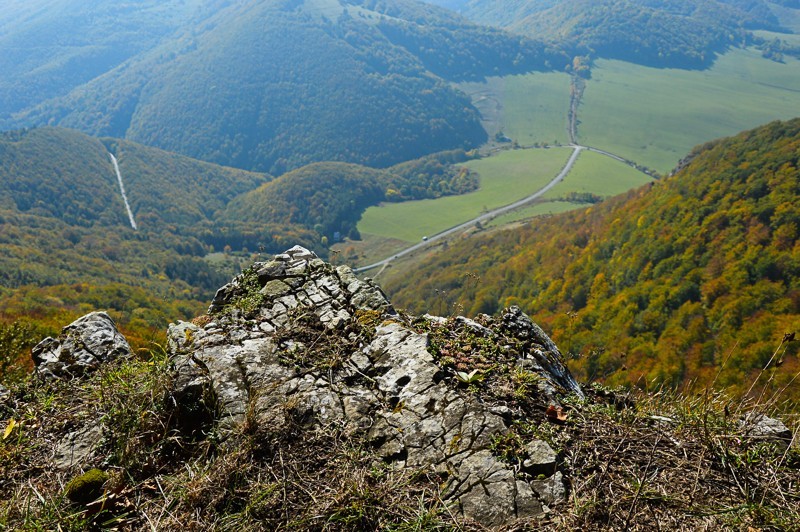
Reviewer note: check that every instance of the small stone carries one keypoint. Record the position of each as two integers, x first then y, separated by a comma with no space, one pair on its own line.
759,426
82,346
77,447
275,288
541,458
550,490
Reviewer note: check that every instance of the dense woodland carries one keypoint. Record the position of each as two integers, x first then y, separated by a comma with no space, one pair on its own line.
676,33
272,86
67,246
696,274
331,197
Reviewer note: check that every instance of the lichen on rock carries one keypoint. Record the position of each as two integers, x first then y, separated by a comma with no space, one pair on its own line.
297,341
82,347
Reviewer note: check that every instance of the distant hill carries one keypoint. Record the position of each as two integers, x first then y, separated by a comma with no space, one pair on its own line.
331,197
678,33
268,85
63,220
671,283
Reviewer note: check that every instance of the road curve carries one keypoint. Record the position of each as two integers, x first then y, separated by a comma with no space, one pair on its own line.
576,150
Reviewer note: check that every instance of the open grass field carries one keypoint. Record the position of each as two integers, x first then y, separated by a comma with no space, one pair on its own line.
530,108
537,209
505,178
598,174
593,173
655,116
770,35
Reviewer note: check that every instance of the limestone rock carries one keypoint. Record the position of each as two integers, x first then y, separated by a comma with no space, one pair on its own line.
541,458
81,347
77,447
759,426
296,342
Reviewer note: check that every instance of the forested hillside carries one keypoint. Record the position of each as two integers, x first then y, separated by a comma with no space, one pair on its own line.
672,283
682,33
330,197
273,85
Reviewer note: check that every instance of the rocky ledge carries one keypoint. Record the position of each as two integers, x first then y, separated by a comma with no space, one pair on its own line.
296,340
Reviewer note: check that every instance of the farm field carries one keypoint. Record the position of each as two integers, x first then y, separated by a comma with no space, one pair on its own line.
598,174
529,108
655,116
593,173
505,178
536,209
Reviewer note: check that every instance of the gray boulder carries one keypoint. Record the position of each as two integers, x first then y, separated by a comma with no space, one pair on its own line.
298,342
81,347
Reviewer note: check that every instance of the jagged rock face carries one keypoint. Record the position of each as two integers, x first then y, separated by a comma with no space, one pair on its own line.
295,340
82,346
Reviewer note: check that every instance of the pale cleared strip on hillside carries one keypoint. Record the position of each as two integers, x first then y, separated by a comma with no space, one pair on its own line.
122,190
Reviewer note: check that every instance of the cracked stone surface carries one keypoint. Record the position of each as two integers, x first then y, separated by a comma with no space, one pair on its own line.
82,347
388,390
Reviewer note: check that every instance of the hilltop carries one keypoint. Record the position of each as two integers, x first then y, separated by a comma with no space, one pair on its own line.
690,280
681,34
303,400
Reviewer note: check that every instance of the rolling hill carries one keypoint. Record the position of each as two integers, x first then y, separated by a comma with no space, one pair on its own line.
265,85
682,34
672,283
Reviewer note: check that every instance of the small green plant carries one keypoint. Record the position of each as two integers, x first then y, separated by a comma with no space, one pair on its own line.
508,446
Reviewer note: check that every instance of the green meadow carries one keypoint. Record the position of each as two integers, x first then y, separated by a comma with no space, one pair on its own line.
600,175
648,115
504,178
593,173
529,109
655,116
536,209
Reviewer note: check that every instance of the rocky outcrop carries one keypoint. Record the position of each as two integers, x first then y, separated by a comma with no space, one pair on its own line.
298,342
82,346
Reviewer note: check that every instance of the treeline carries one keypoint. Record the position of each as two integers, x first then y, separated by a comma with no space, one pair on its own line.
692,276
681,33
274,89
329,198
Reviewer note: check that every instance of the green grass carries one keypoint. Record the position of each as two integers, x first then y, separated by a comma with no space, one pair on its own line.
505,178
528,108
655,116
537,209
598,174
770,35
593,173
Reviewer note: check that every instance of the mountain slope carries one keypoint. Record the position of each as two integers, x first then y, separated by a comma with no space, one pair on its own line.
697,274
684,33
49,47
272,85
63,220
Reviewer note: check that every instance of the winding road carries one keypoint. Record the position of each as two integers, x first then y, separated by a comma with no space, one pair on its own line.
577,87
576,150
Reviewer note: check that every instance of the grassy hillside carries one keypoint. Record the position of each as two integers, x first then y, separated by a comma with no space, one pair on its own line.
673,283
329,198
654,116
278,84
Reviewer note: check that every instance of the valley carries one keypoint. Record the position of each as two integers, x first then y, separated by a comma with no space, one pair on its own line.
382,265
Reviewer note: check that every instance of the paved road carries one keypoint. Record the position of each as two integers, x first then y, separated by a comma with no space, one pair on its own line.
576,150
